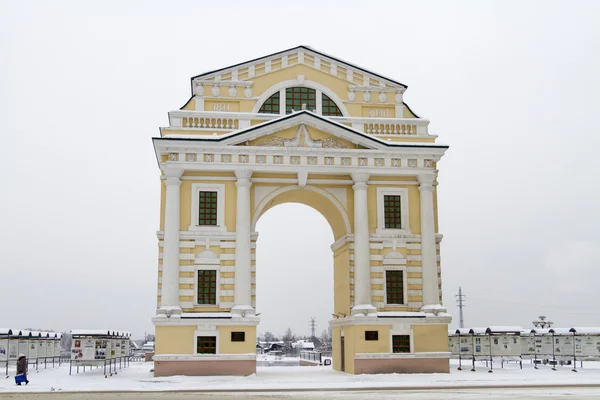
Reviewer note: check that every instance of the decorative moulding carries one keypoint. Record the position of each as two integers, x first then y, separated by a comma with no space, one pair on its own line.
216,90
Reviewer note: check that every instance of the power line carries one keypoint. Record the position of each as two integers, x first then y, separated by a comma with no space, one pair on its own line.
461,304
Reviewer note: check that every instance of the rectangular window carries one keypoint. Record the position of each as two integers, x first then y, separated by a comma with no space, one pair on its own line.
238,336
371,335
207,286
207,208
400,343
394,287
392,206
206,345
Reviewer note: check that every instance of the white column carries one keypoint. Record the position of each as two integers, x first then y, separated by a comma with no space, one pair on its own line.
362,257
169,299
243,281
431,296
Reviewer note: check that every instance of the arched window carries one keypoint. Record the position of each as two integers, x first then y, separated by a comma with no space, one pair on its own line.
296,98
329,108
271,106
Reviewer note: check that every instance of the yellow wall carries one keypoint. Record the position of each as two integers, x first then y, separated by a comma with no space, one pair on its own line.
341,280
174,339
226,346
354,342
430,337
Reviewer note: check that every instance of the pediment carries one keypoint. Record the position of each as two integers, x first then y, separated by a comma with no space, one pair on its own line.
302,136
303,129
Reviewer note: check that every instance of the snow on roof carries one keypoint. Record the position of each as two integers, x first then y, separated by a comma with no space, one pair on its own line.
207,315
91,332
586,331
477,331
540,331
504,329
6,331
401,314
463,331
561,331
58,335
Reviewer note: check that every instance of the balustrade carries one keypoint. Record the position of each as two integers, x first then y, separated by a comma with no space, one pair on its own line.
210,123
230,121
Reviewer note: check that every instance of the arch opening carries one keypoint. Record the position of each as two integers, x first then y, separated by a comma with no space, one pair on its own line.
319,199
294,270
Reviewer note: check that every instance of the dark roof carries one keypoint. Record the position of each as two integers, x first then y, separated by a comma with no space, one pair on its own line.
290,49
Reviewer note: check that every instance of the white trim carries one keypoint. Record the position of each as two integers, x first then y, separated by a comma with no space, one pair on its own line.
281,86
404,283
218,283
212,332
205,357
220,189
403,193
402,329
366,356
275,193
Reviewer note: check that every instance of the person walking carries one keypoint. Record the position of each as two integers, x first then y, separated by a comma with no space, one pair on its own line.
22,369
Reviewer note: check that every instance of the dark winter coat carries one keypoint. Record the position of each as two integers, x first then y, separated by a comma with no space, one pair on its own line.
22,365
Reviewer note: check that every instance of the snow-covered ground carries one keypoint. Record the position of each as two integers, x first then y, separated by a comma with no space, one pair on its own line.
137,377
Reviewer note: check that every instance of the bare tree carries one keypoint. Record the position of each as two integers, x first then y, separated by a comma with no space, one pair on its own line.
66,341
289,336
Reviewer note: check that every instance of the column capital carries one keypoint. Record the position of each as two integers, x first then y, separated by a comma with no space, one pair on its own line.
173,172
360,181
241,174
426,182
172,176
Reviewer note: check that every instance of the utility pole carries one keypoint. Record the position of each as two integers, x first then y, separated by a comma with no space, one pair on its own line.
313,327
461,303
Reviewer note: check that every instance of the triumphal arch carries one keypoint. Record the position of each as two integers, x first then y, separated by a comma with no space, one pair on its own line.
299,126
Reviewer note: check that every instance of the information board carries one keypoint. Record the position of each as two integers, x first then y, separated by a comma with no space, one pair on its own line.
23,347
543,346
465,346
481,346
56,348
3,349
528,346
587,346
50,348
83,349
506,345
32,350
13,349
125,347
41,348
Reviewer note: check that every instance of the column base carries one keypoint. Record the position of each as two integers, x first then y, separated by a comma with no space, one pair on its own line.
435,309
169,312
364,310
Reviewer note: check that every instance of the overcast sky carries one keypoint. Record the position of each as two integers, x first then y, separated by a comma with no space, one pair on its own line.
512,87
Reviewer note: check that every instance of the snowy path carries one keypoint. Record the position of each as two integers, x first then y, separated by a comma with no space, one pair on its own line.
139,378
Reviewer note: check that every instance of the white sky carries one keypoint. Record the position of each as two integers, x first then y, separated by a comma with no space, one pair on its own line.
510,86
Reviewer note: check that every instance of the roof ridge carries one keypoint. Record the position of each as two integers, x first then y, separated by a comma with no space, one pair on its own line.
305,47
